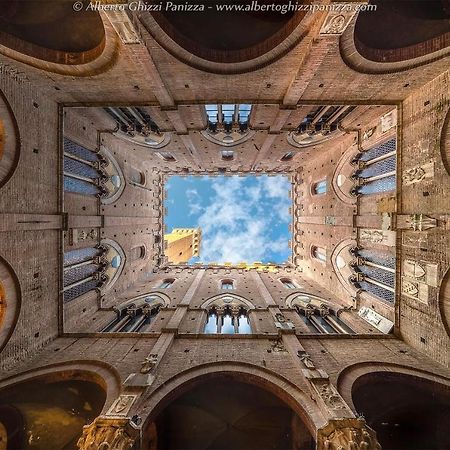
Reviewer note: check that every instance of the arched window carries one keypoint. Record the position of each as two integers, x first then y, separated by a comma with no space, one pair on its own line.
227,320
137,253
227,155
287,156
374,272
135,317
166,283
83,271
320,187
166,156
83,170
288,283
375,169
228,125
136,176
227,284
318,316
91,268
227,314
319,253
93,173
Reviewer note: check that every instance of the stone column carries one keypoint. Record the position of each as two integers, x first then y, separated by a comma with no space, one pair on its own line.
347,434
108,433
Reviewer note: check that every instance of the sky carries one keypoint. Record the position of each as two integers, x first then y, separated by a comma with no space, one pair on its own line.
243,219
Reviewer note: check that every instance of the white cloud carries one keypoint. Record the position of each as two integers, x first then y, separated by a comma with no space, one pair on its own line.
235,225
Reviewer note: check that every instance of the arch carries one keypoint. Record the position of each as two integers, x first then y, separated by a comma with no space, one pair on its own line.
10,301
445,143
300,402
341,182
99,372
227,61
38,38
116,179
9,141
116,258
444,301
227,299
78,391
160,299
296,299
406,407
368,51
348,376
340,260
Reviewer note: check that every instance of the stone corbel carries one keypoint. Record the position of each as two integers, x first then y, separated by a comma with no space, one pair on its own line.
346,434
108,433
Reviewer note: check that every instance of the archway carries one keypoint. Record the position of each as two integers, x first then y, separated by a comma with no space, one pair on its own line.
405,411
48,412
444,301
224,40
225,413
380,35
9,141
40,30
9,302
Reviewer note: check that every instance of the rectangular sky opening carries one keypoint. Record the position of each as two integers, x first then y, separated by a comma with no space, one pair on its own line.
243,219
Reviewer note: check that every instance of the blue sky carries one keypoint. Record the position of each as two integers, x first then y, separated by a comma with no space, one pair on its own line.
243,219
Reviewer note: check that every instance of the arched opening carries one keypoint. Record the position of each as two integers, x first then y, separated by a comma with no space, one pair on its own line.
404,410
402,30
52,31
224,413
444,301
9,141
48,413
9,302
219,36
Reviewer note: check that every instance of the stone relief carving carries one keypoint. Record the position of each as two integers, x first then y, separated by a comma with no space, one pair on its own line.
329,395
369,133
415,289
305,358
282,322
149,363
417,174
347,434
421,271
107,434
388,121
336,22
276,346
421,222
385,237
122,405
414,239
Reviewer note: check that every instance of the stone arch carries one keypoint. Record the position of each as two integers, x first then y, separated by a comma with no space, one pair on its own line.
161,300
197,52
444,301
116,179
300,402
9,141
51,404
340,260
10,301
367,51
348,376
445,143
408,408
38,38
114,253
221,298
99,372
341,182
